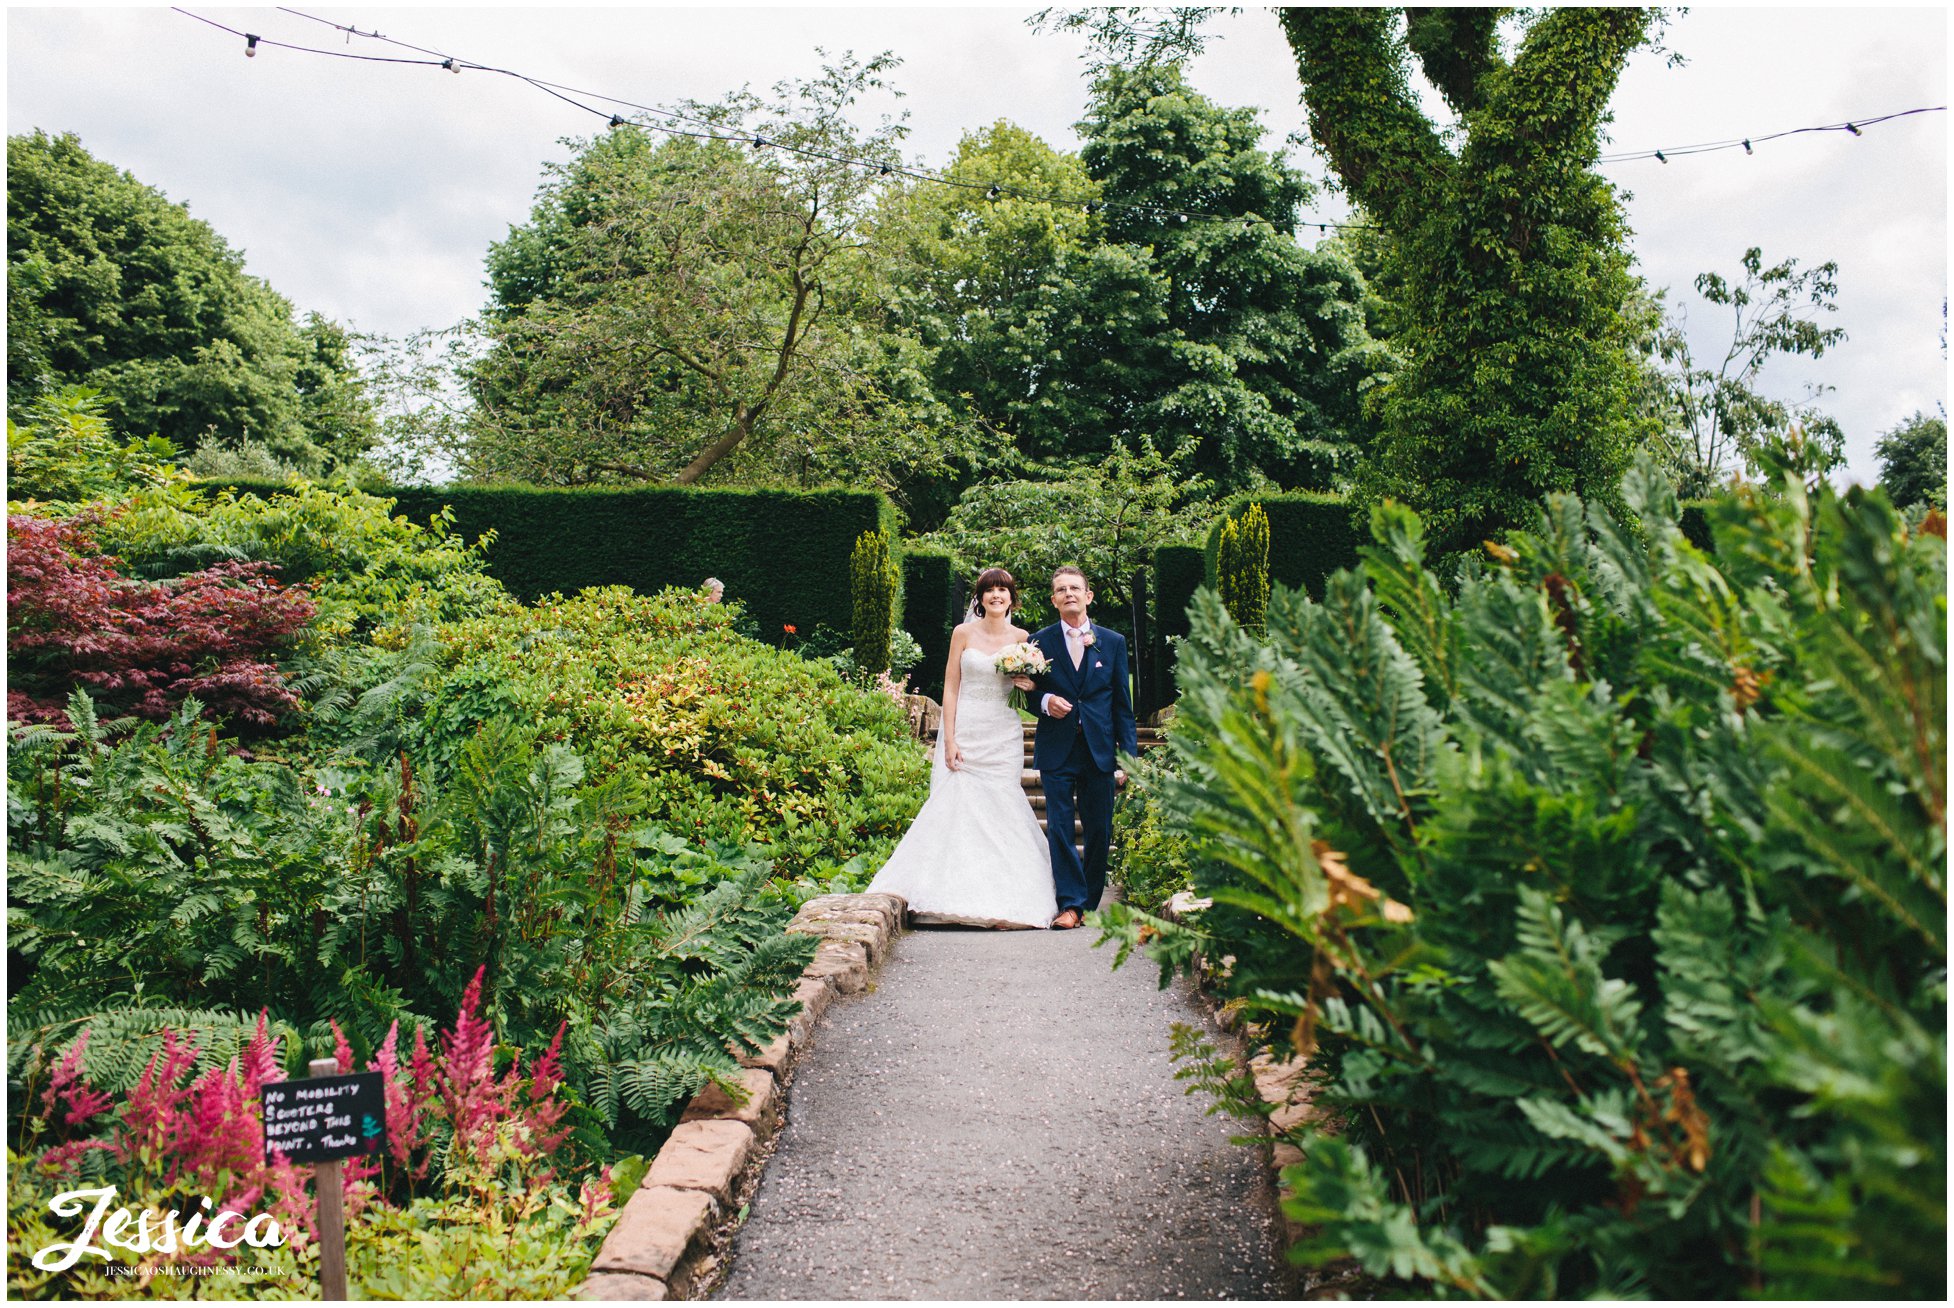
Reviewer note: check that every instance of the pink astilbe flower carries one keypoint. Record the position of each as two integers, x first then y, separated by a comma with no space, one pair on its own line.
404,1105
70,1085
342,1052
425,1081
475,1100
594,1198
357,1188
63,1157
545,1109
217,1130
261,1057
149,1119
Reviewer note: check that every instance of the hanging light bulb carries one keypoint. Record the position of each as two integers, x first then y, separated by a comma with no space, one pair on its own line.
250,46
993,193
885,170
1091,208
1661,157
616,121
1747,148
451,66
759,142
1854,130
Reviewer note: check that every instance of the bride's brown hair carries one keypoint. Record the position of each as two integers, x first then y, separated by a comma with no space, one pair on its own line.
988,580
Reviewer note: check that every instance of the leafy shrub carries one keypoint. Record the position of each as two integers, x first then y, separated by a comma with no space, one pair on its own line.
65,457
1104,516
158,868
727,738
365,569
1608,894
1151,854
144,647
468,1198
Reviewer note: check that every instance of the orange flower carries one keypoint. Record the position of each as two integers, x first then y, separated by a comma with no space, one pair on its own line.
790,628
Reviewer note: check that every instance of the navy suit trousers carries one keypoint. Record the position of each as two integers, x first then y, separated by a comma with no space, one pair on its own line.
1078,789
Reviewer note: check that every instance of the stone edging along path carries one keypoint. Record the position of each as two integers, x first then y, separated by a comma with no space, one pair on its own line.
673,1228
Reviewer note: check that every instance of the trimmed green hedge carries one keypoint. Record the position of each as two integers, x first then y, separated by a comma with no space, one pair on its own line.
1695,524
929,596
782,554
1178,571
1311,535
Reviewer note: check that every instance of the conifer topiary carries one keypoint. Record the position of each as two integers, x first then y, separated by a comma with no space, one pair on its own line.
872,581
1242,566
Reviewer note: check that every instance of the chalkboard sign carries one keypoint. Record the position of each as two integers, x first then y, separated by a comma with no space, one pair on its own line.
326,1117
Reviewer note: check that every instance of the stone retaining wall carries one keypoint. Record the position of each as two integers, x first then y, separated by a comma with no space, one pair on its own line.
671,1230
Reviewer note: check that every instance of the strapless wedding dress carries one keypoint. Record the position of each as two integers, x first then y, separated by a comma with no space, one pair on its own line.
975,854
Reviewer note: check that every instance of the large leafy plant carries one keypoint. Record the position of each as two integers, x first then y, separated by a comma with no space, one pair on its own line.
467,1200
1607,893
724,737
75,621
159,879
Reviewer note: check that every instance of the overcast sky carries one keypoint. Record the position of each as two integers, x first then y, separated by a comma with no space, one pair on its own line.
370,192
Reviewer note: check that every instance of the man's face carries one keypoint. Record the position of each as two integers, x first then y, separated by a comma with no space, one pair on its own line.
1070,597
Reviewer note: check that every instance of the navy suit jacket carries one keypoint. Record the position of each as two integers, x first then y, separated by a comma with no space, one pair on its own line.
1101,706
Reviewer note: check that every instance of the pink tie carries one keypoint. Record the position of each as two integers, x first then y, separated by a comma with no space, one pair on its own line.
1075,641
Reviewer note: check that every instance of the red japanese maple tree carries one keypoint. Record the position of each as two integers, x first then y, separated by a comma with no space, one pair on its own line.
141,647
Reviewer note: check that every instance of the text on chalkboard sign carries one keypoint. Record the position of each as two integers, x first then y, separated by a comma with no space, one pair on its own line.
325,1117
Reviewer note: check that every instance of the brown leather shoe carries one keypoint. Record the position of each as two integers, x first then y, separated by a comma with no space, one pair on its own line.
1067,920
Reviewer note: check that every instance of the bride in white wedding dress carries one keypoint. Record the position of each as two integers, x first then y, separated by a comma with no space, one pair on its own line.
975,855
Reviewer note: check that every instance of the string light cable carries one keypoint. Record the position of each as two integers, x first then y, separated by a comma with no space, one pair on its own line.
992,191
716,132
1851,127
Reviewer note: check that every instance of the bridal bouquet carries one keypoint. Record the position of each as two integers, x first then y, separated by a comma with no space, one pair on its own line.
1021,660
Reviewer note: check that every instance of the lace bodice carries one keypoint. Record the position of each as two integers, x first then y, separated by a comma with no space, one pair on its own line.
981,679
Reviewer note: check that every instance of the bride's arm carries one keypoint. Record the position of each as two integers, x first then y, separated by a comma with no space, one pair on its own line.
952,686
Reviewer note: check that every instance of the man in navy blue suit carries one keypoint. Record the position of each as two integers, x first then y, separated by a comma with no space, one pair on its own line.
1085,718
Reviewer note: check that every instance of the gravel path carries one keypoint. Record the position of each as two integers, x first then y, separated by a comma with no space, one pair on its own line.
998,1119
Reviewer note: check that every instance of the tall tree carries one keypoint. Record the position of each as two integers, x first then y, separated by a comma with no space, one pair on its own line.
112,286
1913,461
1715,414
1035,331
1266,351
1505,248
678,306
1072,317
1518,376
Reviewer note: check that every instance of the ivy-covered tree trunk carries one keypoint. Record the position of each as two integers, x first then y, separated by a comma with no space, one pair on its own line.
1518,368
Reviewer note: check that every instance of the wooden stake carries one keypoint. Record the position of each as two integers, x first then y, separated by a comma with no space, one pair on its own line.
330,1188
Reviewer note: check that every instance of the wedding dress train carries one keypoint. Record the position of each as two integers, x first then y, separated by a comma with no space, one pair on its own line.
975,854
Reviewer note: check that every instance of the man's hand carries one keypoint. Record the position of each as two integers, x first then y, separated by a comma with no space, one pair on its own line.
1023,683
1057,706
1119,777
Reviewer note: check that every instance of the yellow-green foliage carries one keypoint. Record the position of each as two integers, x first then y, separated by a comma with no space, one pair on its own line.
1243,566
733,738
872,580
